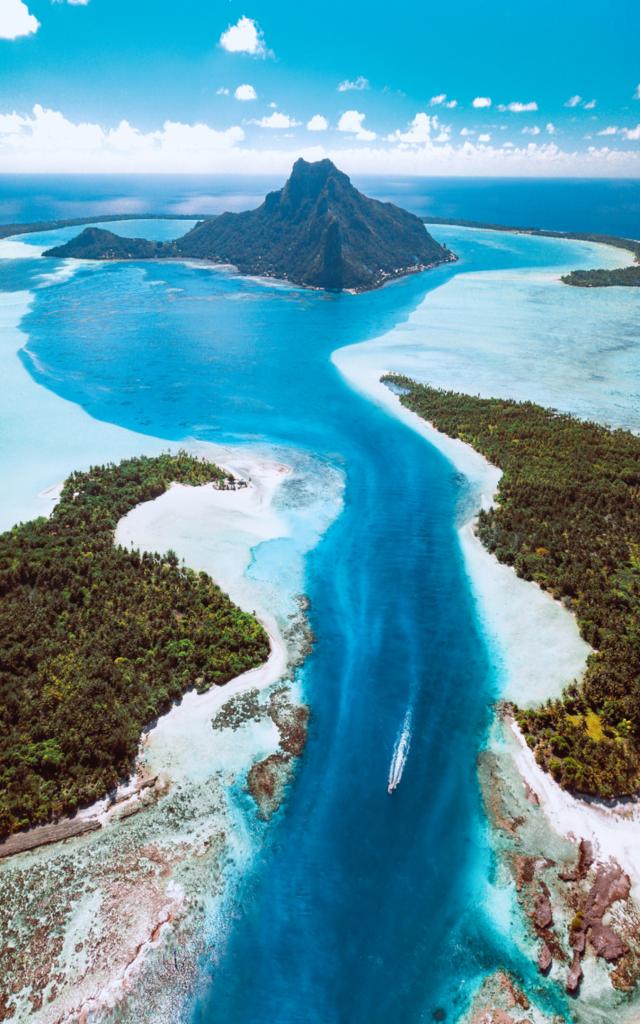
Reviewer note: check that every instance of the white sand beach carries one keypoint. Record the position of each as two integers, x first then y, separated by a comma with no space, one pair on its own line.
613,829
534,641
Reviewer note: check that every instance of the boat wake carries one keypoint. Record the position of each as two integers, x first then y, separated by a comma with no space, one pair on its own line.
400,754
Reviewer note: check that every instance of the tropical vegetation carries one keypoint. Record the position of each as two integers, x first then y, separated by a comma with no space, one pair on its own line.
96,641
567,516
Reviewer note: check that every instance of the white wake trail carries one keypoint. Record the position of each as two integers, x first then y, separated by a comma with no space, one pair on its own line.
400,753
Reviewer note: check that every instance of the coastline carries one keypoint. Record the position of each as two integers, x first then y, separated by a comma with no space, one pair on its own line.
613,828
536,650
534,640
176,809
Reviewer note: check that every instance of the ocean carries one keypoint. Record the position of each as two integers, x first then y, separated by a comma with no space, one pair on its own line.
606,206
360,905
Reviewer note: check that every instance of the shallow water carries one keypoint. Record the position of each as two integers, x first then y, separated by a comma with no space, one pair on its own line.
363,906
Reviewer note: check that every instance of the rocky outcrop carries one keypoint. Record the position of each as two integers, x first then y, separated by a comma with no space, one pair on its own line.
318,231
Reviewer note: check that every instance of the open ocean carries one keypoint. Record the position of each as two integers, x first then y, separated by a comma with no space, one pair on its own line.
601,205
361,907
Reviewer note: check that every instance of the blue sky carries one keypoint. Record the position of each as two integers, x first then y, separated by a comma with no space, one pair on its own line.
418,88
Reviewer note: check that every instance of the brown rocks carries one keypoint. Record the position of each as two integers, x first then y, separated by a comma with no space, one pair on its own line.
542,914
267,781
545,959
574,977
606,943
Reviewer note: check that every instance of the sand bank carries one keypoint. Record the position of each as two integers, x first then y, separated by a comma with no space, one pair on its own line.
534,641
143,887
613,829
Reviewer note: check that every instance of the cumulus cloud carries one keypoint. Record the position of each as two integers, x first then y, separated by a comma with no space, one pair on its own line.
466,132
352,121
481,101
630,134
245,36
573,101
420,130
518,108
245,92
442,101
550,128
16,20
531,130
485,137
46,138
357,85
636,94
317,123
591,105
276,120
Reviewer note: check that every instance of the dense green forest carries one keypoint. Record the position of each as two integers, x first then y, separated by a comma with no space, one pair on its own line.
96,641
568,517
627,277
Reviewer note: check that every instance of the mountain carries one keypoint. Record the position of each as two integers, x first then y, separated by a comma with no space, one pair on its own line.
99,244
317,231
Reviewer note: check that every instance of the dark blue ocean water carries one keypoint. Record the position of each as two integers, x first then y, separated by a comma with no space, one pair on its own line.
362,907
609,206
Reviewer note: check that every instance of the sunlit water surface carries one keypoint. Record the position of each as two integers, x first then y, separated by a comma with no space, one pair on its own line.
363,906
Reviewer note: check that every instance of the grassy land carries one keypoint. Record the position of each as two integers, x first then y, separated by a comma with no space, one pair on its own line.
568,517
97,641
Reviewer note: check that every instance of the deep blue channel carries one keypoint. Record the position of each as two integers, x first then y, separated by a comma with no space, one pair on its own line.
363,906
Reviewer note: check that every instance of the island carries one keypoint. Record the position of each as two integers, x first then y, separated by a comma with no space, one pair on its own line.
596,278
98,641
318,231
567,517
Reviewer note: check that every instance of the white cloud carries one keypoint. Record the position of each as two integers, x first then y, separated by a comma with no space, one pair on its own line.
419,130
317,123
442,101
518,108
73,3
357,85
636,94
573,101
550,128
16,20
485,137
591,105
222,91
481,101
46,138
533,130
245,92
352,121
244,37
632,134
610,130
276,120
466,132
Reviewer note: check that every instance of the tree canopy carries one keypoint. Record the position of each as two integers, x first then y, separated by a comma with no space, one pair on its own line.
97,641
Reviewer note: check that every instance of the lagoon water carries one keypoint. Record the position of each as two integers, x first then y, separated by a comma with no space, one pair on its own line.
361,906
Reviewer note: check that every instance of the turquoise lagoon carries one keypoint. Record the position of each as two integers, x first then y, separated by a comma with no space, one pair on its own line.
360,906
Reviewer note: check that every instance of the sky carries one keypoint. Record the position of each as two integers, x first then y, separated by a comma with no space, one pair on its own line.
545,88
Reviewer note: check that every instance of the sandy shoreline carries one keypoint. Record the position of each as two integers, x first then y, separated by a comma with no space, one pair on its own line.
613,829
117,921
534,640
537,649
